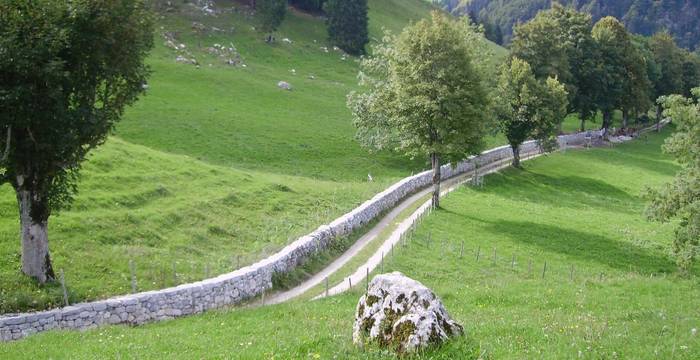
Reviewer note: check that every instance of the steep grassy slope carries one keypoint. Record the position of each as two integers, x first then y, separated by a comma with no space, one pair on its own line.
579,208
215,166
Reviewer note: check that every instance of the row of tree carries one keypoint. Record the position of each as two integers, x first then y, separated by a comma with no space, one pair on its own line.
426,94
603,66
347,21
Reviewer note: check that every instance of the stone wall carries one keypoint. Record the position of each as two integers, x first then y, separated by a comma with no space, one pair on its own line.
248,282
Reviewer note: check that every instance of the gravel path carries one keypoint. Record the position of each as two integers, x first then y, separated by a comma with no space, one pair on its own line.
360,275
375,260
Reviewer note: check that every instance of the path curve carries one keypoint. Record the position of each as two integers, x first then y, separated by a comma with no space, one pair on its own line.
359,276
449,185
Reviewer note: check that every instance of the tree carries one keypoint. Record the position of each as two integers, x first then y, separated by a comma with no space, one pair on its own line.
691,72
308,5
424,93
347,24
637,88
653,70
680,199
558,43
541,43
614,44
497,34
668,58
526,107
270,15
68,70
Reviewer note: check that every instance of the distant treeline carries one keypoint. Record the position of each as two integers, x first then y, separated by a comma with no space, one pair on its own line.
681,18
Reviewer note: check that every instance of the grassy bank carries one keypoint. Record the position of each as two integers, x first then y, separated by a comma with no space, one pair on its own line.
579,209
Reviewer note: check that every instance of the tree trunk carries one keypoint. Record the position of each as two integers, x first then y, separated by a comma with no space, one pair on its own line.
36,261
516,156
435,162
583,124
659,112
607,119
625,117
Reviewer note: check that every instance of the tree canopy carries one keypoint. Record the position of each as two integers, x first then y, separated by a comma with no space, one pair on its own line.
558,42
615,45
424,93
527,108
347,24
681,198
67,71
270,15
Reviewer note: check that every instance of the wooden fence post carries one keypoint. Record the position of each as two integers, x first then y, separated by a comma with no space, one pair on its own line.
133,276
63,287
544,269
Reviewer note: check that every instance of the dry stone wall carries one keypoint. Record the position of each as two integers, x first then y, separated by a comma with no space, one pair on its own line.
248,282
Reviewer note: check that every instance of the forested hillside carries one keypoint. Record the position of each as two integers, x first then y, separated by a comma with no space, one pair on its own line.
680,17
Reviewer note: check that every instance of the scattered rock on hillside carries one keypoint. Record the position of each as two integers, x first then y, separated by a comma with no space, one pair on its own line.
199,27
184,60
402,314
284,85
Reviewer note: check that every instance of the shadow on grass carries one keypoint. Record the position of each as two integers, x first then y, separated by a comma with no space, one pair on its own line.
586,246
642,158
560,191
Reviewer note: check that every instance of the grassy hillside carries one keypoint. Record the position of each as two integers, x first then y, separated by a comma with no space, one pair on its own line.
579,208
216,166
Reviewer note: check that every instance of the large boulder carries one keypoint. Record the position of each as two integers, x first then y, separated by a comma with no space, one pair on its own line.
402,314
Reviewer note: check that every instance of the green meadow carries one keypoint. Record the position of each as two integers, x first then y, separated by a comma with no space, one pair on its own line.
609,290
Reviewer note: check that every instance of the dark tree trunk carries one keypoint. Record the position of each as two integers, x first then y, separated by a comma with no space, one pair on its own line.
583,124
435,162
33,214
607,120
625,118
659,113
516,156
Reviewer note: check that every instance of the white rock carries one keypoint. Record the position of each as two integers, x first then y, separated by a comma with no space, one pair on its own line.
284,85
286,40
402,314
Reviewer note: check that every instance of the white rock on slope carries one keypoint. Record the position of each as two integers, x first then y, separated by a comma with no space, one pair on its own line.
402,314
284,85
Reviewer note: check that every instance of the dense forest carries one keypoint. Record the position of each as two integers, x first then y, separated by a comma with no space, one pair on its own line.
680,17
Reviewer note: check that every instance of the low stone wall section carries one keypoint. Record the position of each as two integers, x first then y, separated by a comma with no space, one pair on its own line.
248,282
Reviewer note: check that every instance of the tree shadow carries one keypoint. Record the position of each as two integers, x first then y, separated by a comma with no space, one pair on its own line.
570,191
586,246
649,163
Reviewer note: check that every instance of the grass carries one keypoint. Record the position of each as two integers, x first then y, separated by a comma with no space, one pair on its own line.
580,208
215,165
